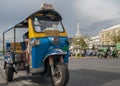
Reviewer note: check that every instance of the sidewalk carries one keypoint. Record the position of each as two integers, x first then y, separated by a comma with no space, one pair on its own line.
83,57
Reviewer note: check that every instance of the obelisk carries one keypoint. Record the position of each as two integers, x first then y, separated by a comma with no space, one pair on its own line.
78,30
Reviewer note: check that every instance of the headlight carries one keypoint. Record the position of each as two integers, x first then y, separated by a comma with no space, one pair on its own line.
56,40
35,42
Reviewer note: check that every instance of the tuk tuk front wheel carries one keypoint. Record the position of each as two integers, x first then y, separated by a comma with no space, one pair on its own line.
9,72
61,76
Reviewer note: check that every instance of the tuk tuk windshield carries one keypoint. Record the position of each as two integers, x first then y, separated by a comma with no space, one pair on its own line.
41,25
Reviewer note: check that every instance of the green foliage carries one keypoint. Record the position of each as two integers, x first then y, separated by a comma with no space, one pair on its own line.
80,42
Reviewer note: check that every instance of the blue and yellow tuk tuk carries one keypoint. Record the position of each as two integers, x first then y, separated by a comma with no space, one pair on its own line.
44,50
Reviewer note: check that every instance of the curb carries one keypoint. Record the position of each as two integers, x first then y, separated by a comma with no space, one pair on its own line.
82,57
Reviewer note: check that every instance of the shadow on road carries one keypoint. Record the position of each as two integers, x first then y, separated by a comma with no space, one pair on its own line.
79,77
3,84
33,81
38,80
84,77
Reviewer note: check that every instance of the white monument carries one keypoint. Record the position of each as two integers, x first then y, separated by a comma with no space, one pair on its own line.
78,30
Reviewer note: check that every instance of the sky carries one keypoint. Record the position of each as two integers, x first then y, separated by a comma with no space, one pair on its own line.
87,12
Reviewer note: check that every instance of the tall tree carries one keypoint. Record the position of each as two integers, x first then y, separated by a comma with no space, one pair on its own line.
80,42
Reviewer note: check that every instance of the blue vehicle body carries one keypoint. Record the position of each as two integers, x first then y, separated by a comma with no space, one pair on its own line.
48,49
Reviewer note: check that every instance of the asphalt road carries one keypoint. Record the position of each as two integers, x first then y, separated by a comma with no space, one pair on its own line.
83,72
94,72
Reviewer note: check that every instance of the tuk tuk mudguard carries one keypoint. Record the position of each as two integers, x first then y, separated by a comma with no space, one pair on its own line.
55,52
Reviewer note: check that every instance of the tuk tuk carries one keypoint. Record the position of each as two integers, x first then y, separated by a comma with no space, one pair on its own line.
106,51
102,51
46,50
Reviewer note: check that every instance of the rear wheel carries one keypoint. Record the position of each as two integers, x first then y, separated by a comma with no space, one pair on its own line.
9,72
61,76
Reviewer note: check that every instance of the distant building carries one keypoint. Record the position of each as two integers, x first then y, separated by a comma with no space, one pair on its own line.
95,41
106,35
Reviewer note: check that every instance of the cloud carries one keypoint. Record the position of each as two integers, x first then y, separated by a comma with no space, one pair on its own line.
14,11
95,10
85,11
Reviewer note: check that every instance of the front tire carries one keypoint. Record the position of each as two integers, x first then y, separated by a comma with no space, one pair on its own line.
61,76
